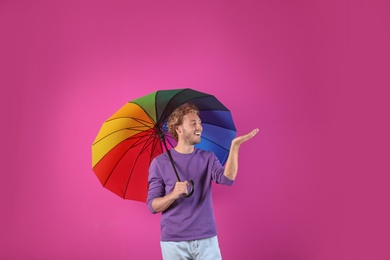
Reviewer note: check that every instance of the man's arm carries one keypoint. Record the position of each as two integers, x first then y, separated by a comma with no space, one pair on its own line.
162,203
231,166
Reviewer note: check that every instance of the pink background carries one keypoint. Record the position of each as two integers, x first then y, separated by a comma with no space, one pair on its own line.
312,75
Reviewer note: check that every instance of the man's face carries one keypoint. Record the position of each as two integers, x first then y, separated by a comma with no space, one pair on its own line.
191,129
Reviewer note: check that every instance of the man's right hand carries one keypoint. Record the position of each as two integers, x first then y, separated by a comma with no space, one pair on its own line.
162,203
180,189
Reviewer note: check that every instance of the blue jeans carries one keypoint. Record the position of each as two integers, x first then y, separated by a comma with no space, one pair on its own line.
202,249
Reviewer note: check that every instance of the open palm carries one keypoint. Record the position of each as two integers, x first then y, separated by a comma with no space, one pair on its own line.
243,138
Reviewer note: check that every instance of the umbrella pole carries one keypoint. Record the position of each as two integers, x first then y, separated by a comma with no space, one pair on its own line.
161,135
173,164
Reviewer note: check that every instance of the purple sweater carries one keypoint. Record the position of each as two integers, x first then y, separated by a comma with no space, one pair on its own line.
187,218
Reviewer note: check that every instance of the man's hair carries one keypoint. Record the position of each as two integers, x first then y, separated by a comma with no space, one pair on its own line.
176,117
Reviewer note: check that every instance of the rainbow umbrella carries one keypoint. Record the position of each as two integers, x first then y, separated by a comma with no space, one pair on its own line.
132,137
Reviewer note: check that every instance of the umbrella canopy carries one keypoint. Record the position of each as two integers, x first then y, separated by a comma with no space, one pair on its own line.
132,137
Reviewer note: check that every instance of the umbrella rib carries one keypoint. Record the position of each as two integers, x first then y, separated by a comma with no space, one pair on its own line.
191,99
167,105
130,147
215,143
135,128
134,118
149,141
219,126
116,132
169,141
120,158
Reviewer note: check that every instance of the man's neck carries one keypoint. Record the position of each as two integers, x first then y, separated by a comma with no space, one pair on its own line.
183,148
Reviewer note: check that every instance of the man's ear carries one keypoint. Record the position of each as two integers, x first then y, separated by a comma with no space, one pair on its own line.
178,130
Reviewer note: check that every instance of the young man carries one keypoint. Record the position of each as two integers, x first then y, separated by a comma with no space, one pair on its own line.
188,229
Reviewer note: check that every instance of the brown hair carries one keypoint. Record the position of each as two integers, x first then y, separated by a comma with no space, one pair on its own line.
176,117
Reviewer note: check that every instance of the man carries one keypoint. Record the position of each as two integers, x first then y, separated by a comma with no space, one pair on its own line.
188,229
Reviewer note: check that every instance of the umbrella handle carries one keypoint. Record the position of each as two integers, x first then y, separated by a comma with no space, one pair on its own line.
189,194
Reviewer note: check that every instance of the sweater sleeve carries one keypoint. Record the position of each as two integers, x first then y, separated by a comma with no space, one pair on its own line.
217,171
156,185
